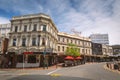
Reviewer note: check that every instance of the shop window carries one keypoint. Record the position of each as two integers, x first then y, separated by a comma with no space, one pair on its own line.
63,48
20,58
31,58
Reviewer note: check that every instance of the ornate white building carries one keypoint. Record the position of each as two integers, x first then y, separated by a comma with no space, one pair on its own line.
32,33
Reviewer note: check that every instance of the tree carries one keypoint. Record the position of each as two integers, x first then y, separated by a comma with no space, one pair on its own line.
72,50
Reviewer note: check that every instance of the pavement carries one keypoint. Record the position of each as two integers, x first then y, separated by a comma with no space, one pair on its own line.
112,70
89,71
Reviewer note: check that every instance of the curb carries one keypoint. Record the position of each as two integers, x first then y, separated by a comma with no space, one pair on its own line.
115,71
39,68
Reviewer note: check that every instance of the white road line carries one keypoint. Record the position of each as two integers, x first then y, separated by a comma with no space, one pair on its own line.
53,71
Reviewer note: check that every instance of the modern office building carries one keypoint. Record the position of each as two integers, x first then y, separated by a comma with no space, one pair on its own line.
83,43
100,38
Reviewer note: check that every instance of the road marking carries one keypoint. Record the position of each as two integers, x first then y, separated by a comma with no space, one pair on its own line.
55,75
53,71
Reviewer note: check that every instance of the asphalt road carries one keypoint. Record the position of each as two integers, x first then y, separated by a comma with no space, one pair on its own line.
93,71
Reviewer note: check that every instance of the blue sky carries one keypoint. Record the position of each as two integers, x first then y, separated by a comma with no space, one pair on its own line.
85,16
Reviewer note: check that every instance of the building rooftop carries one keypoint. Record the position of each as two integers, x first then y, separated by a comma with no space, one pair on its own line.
74,36
31,16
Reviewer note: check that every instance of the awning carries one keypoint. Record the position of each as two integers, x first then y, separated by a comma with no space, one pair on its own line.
28,53
78,57
69,58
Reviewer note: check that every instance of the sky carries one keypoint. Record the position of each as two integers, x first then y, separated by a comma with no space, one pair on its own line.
85,16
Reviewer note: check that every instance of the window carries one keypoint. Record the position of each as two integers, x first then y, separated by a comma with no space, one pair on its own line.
14,42
44,27
25,28
79,43
63,39
71,41
16,28
58,38
68,40
34,42
35,27
31,58
75,41
63,48
30,27
82,50
58,48
43,41
38,42
24,42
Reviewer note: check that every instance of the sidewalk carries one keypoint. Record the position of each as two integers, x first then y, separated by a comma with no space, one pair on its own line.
35,68
116,71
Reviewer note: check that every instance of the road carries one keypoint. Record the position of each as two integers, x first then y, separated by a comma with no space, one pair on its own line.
94,71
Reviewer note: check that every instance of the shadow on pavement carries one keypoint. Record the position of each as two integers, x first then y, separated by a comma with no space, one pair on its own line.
46,77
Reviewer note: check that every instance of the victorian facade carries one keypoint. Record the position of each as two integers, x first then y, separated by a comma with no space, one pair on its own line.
32,33
83,43
107,50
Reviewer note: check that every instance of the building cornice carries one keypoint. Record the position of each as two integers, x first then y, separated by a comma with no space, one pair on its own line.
73,36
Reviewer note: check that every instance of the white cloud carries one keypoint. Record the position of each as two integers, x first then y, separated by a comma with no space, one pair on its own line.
4,20
94,17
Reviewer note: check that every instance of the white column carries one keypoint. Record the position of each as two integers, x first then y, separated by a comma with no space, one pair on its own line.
20,43
11,40
30,42
40,41
27,39
37,26
41,28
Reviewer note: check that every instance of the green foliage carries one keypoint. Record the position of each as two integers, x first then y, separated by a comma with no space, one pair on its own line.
72,50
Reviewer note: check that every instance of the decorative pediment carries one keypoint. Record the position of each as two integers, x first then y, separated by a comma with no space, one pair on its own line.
13,50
